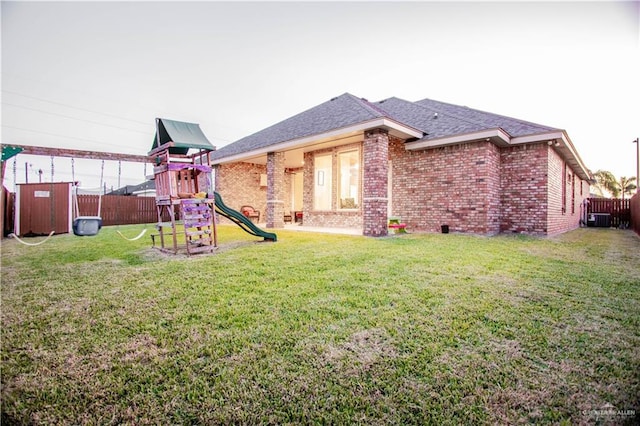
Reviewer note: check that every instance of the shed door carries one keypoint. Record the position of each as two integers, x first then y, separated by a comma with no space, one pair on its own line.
42,208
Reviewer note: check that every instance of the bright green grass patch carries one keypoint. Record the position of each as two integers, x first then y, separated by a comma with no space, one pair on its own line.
441,329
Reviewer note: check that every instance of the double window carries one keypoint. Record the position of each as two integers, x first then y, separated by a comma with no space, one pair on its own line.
347,188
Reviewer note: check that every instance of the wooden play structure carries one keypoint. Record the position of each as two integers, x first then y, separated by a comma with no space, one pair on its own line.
48,208
183,187
185,202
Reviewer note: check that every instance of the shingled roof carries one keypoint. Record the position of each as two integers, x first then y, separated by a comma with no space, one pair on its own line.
435,119
433,122
515,127
339,112
423,124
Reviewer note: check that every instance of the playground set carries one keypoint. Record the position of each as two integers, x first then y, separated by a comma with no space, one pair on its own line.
184,192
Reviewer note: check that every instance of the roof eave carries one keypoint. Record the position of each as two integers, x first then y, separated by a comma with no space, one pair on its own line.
557,139
395,128
497,136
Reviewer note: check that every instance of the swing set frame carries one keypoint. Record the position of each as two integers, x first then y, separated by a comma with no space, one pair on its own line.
70,153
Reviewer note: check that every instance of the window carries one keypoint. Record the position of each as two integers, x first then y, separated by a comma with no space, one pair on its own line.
564,188
573,194
322,182
349,179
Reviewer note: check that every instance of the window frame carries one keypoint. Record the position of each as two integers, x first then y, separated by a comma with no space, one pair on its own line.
323,177
339,187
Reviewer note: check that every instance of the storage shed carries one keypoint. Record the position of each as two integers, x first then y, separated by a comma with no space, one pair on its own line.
42,208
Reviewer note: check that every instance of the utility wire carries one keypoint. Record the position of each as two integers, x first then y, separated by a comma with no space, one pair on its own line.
64,137
74,107
87,110
81,119
73,118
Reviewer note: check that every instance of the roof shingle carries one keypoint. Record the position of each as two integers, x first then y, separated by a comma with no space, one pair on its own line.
515,127
435,119
341,111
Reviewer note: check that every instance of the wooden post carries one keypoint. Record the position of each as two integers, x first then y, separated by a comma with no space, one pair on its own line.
2,201
637,142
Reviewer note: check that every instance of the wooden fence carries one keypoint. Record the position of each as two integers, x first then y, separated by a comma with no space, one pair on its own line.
115,210
7,211
120,209
618,209
635,212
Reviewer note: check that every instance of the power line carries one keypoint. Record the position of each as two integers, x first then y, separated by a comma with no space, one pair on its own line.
86,110
74,107
61,136
73,118
80,119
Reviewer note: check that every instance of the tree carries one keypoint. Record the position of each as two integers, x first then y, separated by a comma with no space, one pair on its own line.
606,182
608,185
627,185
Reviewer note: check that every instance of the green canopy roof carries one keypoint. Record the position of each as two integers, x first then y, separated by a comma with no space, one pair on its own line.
183,135
9,151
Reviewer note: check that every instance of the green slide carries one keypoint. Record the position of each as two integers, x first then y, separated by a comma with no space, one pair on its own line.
241,220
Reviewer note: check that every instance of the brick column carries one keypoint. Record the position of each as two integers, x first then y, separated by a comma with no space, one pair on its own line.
275,190
375,194
215,175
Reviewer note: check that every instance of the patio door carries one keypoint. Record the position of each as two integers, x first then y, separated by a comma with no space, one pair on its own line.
296,192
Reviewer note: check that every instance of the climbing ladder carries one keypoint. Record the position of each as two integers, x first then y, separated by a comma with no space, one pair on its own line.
199,227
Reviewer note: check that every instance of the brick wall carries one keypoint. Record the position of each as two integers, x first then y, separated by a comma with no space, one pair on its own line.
523,189
375,184
476,188
456,185
565,195
239,184
275,190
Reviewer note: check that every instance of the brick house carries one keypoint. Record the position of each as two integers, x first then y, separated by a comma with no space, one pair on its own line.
353,163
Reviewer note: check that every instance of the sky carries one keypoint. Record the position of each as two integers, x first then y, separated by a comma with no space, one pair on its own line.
95,75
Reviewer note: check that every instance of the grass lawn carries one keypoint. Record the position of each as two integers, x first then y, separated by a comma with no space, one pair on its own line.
328,329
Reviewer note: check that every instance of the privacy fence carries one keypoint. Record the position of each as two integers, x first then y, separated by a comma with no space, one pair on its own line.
119,209
609,212
38,213
635,213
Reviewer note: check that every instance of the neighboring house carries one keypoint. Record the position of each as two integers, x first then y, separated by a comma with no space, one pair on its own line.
144,189
349,162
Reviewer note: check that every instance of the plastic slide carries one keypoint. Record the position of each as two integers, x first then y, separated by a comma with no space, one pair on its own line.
241,220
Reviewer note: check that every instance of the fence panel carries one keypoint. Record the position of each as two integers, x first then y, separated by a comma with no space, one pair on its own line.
120,209
635,212
8,200
618,208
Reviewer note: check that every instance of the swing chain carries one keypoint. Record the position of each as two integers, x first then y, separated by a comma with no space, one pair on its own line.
101,185
76,206
53,199
15,174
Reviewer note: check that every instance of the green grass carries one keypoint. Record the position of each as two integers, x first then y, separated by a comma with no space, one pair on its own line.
323,329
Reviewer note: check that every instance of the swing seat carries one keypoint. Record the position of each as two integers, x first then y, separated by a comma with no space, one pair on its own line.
87,225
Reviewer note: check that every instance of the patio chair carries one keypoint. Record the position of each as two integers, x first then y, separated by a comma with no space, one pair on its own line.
251,213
